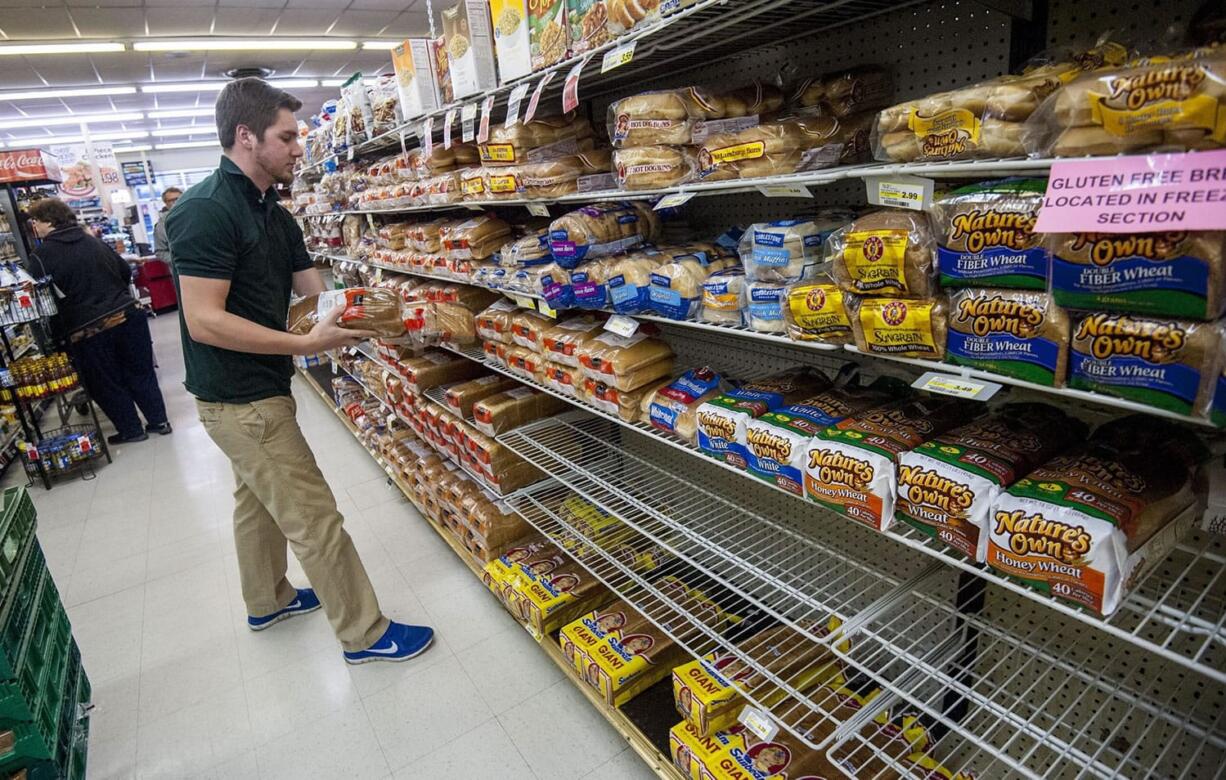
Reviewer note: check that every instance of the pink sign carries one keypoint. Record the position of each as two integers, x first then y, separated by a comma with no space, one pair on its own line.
1145,193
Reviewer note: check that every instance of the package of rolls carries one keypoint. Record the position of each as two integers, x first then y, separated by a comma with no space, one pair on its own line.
601,229
628,280
783,147
541,139
723,297
844,93
660,118
588,283
560,176
888,252
655,166
1161,103
676,288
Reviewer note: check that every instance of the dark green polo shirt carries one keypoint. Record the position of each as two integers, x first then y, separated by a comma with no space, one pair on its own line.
225,228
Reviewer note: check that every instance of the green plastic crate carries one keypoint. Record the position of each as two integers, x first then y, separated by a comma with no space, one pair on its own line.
16,526
17,614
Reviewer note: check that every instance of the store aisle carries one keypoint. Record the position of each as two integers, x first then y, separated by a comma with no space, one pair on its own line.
144,558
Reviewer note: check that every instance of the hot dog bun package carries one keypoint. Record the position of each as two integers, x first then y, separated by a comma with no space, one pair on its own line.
661,118
849,466
776,442
947,485
601,229
721,421
985,235
1172,274
672,407
891,252
1018,333
1086,526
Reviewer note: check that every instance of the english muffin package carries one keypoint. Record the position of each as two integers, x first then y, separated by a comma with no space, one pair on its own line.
849,466
1086,526
775,443
764,306
1017,333
947,485
782,251
889,253
1175,274
1167,364
902,327
985,235
721,421
723,297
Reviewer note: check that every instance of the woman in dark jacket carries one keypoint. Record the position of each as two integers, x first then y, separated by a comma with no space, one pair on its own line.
108,335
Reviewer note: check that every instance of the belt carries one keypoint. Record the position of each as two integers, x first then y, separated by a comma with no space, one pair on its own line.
113,321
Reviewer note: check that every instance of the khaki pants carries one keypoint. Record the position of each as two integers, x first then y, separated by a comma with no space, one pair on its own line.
281,497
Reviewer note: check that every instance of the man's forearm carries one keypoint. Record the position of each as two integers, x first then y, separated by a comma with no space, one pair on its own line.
308,282
229,331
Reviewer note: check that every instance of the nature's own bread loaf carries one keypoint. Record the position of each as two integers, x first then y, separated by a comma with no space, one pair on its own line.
721,421
896,326
1018,333
653,167
625,362
505,410
1178,273
814,311
1168,364
888,252
673,406
985,235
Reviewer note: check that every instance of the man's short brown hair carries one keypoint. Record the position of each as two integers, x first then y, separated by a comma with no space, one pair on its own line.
53,211
252,102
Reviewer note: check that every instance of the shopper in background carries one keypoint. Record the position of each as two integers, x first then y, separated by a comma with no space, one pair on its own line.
107,334
161,247
238,255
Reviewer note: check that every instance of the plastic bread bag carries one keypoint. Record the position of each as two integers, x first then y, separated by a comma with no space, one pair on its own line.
524,362
526,327
888,252
551,282
609,399
439,160
626,15
536,141
654,167
588,284
896,326
764,306
786,250
476,238
673,407
721,421
783,147
361,117
985,235
385,105
561,341
472,183
627,362
302,315
629,281
843,93
513,407
529,249
366,308
567,380
1176,103
1017,333
663,117
427,236
501,183
676,289
814,311
601,229
551,178
494,323
723,297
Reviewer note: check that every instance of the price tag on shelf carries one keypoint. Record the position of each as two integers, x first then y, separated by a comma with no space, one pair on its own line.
900,192
468,117
427,136
524,302
448,119
538,209
487,106
759,722
535,100
403,148
546,309
621,325
615,58
517,96
957,386
785,191
349,154
672,201
570,87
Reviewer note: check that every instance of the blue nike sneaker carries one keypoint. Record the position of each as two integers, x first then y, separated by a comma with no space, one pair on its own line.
306,601
399,642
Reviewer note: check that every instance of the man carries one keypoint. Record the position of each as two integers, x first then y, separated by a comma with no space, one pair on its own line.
161,247
238,254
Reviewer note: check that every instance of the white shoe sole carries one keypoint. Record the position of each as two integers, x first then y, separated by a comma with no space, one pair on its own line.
284,616
389,659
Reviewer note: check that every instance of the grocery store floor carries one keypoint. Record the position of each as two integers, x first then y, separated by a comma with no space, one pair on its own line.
144,560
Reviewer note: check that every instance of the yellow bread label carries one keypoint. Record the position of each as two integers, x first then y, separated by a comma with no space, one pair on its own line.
818,307
875,260
947,133
1197,112
747,151
497,153
897,327
502,184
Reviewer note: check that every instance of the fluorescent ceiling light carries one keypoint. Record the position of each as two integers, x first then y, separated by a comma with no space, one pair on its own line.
71,119
186,86
42,140
202,130
189,145
294,83
381,45
21,49
132,149
44,94
341,82
179,113
245,44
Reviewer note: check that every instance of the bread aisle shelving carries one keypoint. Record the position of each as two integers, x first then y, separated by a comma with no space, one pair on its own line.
977,674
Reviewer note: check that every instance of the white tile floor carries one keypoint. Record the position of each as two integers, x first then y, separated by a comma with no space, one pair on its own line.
145,559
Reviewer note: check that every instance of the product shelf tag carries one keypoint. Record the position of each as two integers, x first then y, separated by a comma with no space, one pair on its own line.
622,325
672,201
487,106
468,116
956,386
448,119
759,722
900,192
615,58
570,87
535,100
517,96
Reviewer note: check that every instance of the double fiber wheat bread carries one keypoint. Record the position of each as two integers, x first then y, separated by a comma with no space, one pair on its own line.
1018,333
985,235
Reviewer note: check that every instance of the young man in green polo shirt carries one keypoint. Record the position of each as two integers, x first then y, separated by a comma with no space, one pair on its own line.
238,255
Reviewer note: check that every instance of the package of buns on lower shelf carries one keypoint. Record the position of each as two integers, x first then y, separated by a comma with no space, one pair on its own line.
461,396
985,235
513,407
948,484
1087,526
1173,103
564,379
708,692
1016,333
891,252
495,522
721,421
764,303
1164,363
676,287
475,238
723,297
435,368
1173,274
843,93
551,282
542,139
673,406
849,466
561,340
587,286
625,362
785,146
901,327
601,229
628,280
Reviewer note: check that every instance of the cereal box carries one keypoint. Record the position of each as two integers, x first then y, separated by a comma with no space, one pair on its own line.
470,47
415,77
589,25
442,70
548,32
511,40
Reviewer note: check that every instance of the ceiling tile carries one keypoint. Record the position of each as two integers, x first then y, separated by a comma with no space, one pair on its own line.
330,4
360,24
307,21
47,23
245,21
177,70
101,3
252,3
15,73
383,5
109,22
410,24
63,71
179,21
123,70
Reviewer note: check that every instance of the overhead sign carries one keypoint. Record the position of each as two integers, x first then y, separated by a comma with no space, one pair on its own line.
21,166
134,173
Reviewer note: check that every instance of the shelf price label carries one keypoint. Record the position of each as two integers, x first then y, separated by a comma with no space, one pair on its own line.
957,386
524,301
487,106
900,192
535,100
547,310
447,122
785,191
538,209
615,58
427,136
672,201
517,96
468,117
759,722
570,87
621,325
